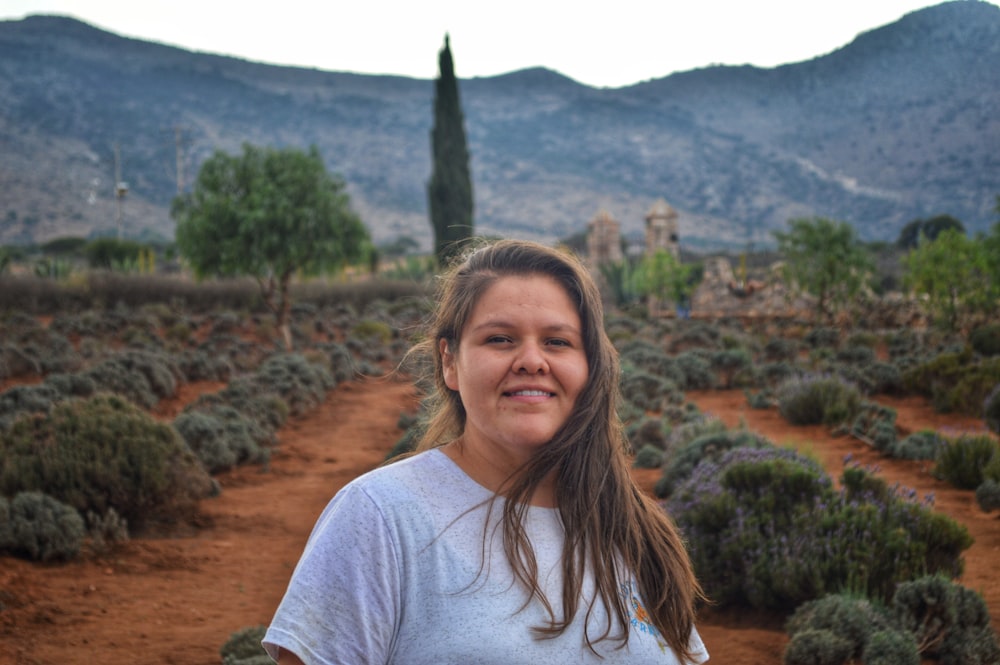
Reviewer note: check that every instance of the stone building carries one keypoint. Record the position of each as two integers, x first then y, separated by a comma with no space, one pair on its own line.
604,243
661,229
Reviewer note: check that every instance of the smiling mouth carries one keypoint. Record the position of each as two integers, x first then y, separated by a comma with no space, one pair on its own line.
529,393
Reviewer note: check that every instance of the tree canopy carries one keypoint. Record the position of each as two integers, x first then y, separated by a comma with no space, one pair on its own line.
662,277
268,213
449,192
954,272
826,259
909,236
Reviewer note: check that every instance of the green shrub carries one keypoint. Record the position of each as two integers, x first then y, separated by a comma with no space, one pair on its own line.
71,385
268,410
53,352
817,647
855,355
882,378
766,528
862,338
985,340
197,365
142,377
648,391
780,349
853,619
954,380
340,359
992,469
301,384
891,647
696,335
222,437
38,527
728,364
15,361
947,620
22,400
816,400
971,646
991,409
371,331
244,355
244,647
646,431
902,343
698,424
648,457
696,369
922,445
876,425
988,495
106,530
962,460
774,374
101,453
681,460
762,399
650,358
823,337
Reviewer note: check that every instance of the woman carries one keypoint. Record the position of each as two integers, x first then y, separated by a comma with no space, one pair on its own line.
516,534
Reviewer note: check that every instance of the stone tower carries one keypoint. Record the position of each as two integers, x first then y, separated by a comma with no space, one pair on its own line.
661,229
603,240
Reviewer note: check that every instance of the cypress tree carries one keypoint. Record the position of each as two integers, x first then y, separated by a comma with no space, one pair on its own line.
449,192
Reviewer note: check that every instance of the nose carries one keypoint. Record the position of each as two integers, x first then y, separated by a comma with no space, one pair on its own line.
530,360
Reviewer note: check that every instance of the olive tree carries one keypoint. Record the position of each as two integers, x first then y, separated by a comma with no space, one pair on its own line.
953,271
825,259
268,213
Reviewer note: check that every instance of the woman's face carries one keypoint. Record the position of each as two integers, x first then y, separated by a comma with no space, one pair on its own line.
519,367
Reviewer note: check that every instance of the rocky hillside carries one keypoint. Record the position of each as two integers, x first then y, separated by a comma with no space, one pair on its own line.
900,123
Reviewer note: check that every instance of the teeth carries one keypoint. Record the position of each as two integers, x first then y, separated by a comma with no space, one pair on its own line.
530,393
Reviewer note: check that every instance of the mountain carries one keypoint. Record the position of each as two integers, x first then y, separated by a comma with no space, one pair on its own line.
900,123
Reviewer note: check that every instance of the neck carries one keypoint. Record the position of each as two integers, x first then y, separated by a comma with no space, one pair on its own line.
497,475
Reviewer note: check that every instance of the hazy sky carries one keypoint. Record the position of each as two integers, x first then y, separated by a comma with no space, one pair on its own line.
597,43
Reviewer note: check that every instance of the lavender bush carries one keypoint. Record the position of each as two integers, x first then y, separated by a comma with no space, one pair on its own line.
766,528
818,400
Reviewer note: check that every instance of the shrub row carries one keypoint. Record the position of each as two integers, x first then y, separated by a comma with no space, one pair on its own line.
142,377
929,617
767,529
102,453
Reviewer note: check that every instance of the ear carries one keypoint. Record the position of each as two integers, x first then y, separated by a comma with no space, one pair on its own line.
448,365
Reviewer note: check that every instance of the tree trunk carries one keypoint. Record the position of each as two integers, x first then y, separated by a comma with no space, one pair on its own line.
283,311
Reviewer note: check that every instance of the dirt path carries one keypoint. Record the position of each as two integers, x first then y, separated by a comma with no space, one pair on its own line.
177,600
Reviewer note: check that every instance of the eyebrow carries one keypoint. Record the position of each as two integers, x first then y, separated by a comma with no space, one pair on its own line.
506,325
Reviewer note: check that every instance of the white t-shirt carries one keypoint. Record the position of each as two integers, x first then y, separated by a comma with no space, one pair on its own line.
394,572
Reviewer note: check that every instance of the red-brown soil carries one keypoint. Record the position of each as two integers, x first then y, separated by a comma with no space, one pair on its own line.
178,599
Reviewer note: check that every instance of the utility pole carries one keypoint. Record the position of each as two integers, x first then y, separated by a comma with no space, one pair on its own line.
121,189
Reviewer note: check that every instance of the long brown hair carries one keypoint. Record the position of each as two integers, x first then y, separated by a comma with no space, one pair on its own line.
610,524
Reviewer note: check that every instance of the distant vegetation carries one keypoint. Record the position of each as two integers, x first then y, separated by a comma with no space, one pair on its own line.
88,355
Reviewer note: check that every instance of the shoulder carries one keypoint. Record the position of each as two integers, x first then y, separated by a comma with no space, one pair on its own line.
412,474
425,481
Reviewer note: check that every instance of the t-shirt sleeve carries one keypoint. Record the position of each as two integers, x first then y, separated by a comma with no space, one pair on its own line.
342,602
698,649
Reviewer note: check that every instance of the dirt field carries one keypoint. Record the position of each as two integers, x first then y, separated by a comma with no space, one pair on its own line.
177,600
